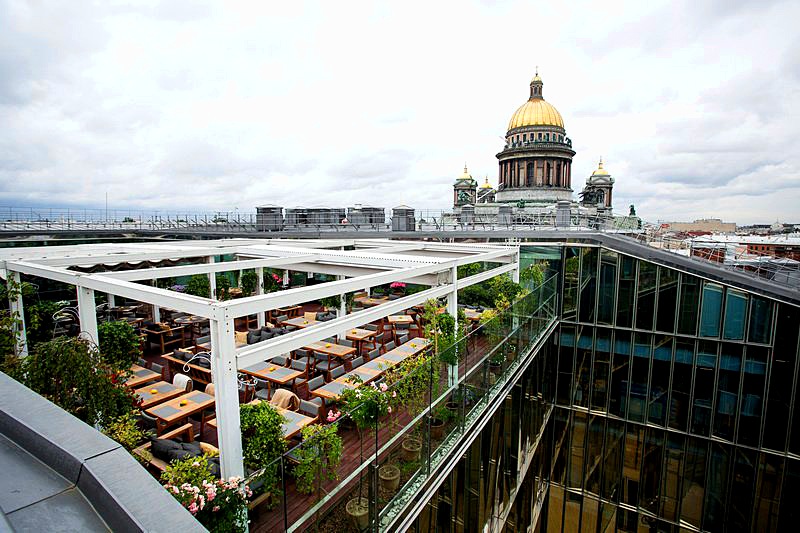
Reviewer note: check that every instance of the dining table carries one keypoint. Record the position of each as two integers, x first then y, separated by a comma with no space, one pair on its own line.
293,422
400,319
141,375
300,322
272,373
360,336
368,301
191,321
180,408
156,393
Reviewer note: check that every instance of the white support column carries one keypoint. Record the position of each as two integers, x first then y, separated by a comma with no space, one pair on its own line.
285,278
452,309
342,311
87,313
111,300
156,309
16,307
515,272
226,397
260,290
212,279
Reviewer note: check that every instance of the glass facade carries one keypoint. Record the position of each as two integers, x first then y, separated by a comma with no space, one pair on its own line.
675,408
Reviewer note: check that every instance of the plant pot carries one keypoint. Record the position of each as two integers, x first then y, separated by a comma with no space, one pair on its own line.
453,408
411,448
437,428
496,367
358,510
390,477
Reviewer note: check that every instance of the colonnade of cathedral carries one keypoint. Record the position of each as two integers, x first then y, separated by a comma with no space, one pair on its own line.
535,172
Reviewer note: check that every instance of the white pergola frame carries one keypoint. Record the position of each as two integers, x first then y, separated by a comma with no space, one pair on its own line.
357,264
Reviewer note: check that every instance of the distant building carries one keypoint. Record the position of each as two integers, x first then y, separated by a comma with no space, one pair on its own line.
711,225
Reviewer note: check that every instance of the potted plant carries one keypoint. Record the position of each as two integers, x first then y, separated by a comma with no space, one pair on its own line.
398,288
263,444
317,457
389,475
220,505
364,405
248,282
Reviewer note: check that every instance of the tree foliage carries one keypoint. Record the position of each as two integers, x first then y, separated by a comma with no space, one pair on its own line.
318,457
262,441
119,344
198,285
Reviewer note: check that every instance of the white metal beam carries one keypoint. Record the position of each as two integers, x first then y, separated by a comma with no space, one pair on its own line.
226,397
87,313
135,291
203,268
17,308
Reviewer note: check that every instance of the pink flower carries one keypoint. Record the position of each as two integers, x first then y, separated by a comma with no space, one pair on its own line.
384,388
215,508
394,394
389,409
211,493
193,508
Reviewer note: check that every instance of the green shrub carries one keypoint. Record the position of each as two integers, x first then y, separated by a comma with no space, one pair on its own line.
318,457
248,282
124,430
198,285
119,344
262,441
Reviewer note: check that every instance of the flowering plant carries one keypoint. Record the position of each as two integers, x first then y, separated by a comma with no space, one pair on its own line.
218,504
367,403
333,415
177,288
397,285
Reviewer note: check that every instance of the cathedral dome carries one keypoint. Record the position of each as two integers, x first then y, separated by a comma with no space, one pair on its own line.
600,170
536,112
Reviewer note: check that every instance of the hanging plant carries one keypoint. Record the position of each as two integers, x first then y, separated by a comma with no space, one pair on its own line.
318,456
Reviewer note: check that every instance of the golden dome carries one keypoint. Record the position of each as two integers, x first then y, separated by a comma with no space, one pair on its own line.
600,170
536,112
466,175
486,184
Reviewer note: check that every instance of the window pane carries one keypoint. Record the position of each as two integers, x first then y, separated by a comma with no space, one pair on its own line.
703,387
712,305
565,362
588,285
681,384
760,320
690,301
659,380
753,379
583,366
602,368
646,295
667,298
781,378
608,280
619,374
639,377
730,364
694,480
571,271
735,310
625,294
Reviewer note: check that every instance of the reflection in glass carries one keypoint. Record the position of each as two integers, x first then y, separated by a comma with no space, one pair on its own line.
760,328
608,281
639,377
667,298
712,306
602,369
646,295
588,286
689,304
735,311
781,378
619,374
703,387
681,384
659,380
626,291
730,363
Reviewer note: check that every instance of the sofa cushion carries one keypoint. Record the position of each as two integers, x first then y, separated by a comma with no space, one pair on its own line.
179,454
253,337
160,448
192,447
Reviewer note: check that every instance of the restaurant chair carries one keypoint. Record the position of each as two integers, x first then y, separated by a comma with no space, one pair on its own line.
331,340
399,331
325,363
280,319
336,373
389,346
155,367
262,390
141,362
373,354
303,355
148,423
354,363
345,342
183,381
402,340
310,409
303,389
281,360
371,327
202,340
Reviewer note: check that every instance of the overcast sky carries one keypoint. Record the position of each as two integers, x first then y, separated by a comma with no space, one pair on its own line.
174,105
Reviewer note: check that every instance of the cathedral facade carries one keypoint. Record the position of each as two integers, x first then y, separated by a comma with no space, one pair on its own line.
535,167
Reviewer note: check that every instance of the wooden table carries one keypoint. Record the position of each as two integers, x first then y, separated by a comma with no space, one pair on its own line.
332,390
133,321
299,322
190,321
141,376
163,391
172,411
472,315
272,373
120,310
292,311
370,302
358,336
331,349
366,372
292,425
400,319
